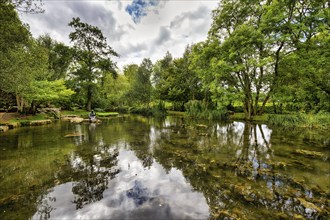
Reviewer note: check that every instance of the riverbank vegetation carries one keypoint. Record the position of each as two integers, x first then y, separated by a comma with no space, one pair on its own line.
259,58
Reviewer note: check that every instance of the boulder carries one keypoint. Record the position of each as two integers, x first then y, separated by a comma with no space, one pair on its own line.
76,120
4,128
40,122
72,119
97,121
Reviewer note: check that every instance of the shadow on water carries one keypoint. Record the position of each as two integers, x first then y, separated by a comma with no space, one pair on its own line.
146,168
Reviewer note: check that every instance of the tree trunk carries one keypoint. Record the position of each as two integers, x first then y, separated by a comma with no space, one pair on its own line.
20,103
89,99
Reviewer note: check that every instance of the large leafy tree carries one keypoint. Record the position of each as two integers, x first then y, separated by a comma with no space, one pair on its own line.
162,76
22,61
175,81
92,58
59,57
140,88
252,39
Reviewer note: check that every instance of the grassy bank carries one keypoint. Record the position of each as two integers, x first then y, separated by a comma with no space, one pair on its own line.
320,120
257,118
84,113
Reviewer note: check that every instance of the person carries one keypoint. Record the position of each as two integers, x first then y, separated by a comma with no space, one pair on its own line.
92,116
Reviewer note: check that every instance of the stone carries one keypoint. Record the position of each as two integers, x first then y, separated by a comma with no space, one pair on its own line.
4,128
72,118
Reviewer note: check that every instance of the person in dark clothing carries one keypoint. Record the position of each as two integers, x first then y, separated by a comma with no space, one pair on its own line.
92,116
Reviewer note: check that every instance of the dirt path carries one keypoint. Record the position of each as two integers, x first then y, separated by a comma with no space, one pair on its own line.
5,117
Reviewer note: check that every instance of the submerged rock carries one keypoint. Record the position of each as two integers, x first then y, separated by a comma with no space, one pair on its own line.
74,135
308,153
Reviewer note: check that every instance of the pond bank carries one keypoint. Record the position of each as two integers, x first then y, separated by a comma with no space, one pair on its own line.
14,120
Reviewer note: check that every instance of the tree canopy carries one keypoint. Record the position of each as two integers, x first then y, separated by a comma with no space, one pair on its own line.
91,55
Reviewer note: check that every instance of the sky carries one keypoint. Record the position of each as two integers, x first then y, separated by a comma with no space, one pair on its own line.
135,29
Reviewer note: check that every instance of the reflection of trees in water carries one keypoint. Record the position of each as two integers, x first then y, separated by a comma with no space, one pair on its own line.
233,165
139,141
253,153
92,175
44,208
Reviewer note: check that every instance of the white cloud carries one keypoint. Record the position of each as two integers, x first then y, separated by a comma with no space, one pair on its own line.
166,26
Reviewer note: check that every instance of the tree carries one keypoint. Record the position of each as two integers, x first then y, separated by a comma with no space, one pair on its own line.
162,73
91,55
175,81
115,91
253,38
13,34
27,6
59,57
140,91
23,66
12,31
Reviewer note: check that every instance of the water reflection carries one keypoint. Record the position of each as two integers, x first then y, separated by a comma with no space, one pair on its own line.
136,192
172,169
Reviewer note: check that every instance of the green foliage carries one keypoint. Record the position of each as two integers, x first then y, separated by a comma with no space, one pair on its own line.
175,81
140,90
49,91
12,31
59,57
301,120
92,58
198,109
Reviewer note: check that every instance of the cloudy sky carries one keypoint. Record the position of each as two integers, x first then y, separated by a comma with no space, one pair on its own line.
136,29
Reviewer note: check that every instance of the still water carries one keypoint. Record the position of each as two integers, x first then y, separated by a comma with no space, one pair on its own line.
145,168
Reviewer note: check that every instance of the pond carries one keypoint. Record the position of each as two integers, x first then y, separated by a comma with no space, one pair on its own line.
145,168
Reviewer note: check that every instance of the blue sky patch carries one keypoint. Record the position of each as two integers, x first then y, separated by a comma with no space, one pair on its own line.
139,8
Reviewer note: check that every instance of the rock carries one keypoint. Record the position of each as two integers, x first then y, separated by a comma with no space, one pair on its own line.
310,207
40,122
13,125
74,135
97,121
4,128
201,126
72,118
309,153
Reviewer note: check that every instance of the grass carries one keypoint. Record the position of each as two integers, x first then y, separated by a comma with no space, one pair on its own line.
84,113
321,120
106,114
241,117
26,118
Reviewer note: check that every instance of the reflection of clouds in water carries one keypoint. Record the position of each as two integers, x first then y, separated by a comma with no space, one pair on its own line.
163,195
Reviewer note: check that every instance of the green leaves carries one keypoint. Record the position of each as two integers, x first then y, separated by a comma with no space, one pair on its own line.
48,91
92,57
